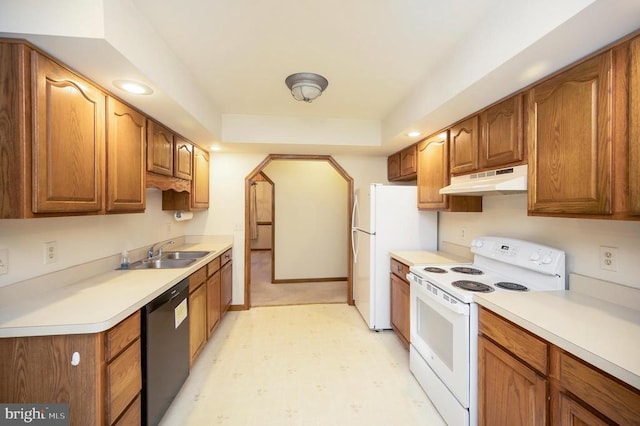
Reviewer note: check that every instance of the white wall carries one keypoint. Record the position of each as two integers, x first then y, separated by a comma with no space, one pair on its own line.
82,238
311,219
226,212
506,215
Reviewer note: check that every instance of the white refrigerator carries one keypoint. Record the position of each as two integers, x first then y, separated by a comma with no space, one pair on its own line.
385,218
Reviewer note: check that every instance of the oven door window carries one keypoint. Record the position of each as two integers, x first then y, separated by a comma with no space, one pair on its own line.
441,336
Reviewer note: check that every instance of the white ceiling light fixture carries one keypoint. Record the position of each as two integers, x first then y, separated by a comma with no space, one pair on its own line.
306,86
413,133
134,87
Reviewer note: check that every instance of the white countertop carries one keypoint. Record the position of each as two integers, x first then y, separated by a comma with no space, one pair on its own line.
604,334
422,257
97,303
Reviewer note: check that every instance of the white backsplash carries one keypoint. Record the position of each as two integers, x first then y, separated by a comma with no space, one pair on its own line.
506,215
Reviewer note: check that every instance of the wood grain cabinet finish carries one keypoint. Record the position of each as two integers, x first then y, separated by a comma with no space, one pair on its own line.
400,301
182,158
522,379
509,392
502,134
226,281
402,166
569,135
433,174
464,146
200,182
197,313
634,127
68,140
160,154
126,141
102,389
393,167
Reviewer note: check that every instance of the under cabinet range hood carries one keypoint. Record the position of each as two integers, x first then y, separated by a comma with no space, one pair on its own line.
509,180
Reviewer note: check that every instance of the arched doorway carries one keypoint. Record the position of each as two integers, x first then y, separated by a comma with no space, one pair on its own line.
247,241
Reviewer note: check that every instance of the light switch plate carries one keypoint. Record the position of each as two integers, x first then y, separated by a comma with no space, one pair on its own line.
4,261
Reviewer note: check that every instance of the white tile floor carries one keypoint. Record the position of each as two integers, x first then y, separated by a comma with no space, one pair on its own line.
301,365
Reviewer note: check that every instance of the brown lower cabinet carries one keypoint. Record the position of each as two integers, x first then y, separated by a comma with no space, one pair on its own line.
525,380
400,301
209,299
102,389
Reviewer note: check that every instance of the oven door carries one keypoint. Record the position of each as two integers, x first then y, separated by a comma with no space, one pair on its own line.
440,331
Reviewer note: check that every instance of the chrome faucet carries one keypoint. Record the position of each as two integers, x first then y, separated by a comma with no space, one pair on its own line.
154,252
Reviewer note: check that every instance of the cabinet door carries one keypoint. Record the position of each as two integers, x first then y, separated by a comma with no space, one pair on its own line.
634,127
393,166
125,158
569,135
433,172
183,159
226,282
502,135
572,413
159,149
408,165
509,393
400,303
68,145
197,321
200,183
464,146
213,301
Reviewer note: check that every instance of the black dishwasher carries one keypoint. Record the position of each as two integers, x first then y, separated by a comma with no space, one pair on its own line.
165,350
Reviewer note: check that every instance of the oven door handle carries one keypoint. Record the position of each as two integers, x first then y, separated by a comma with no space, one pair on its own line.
459,307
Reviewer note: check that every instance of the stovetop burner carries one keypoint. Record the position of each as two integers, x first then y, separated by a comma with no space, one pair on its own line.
473,286
511,286
467,270
435,270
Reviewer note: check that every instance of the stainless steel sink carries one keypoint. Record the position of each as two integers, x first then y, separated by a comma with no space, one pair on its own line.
184,254
162,263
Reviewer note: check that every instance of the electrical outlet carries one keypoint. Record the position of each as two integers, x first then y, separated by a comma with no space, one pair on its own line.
4,261
50,252
609,258
168,229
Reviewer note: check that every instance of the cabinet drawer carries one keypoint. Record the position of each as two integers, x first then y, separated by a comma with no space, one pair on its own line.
610,397
226,257
197,278
132,415
124,381
399,269
213,266
122,334
519,342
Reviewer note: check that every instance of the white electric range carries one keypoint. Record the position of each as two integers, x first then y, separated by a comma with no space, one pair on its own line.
444,317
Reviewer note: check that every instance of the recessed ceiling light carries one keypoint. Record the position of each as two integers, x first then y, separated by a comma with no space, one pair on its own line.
215,147
133,87
413,134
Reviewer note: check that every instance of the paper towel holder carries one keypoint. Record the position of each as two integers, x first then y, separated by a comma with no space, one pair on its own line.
180,215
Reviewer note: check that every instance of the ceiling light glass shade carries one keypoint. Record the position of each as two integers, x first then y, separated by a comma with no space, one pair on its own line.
133,87
306,86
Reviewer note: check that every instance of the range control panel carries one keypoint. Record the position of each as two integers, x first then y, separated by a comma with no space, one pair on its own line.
525,254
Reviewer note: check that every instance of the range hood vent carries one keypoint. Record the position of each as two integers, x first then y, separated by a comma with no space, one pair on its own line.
509,180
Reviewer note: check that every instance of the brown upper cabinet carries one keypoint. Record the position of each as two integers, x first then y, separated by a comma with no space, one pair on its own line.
160,154
570,134
502,134
183,158
200,182
464,146
68,140
433,174
126,138
403,165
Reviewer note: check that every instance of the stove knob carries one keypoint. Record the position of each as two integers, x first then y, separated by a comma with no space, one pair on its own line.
546,259
477,243
534,256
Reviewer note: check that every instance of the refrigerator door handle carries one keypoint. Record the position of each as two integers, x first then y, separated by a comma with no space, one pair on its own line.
354,213
354,244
